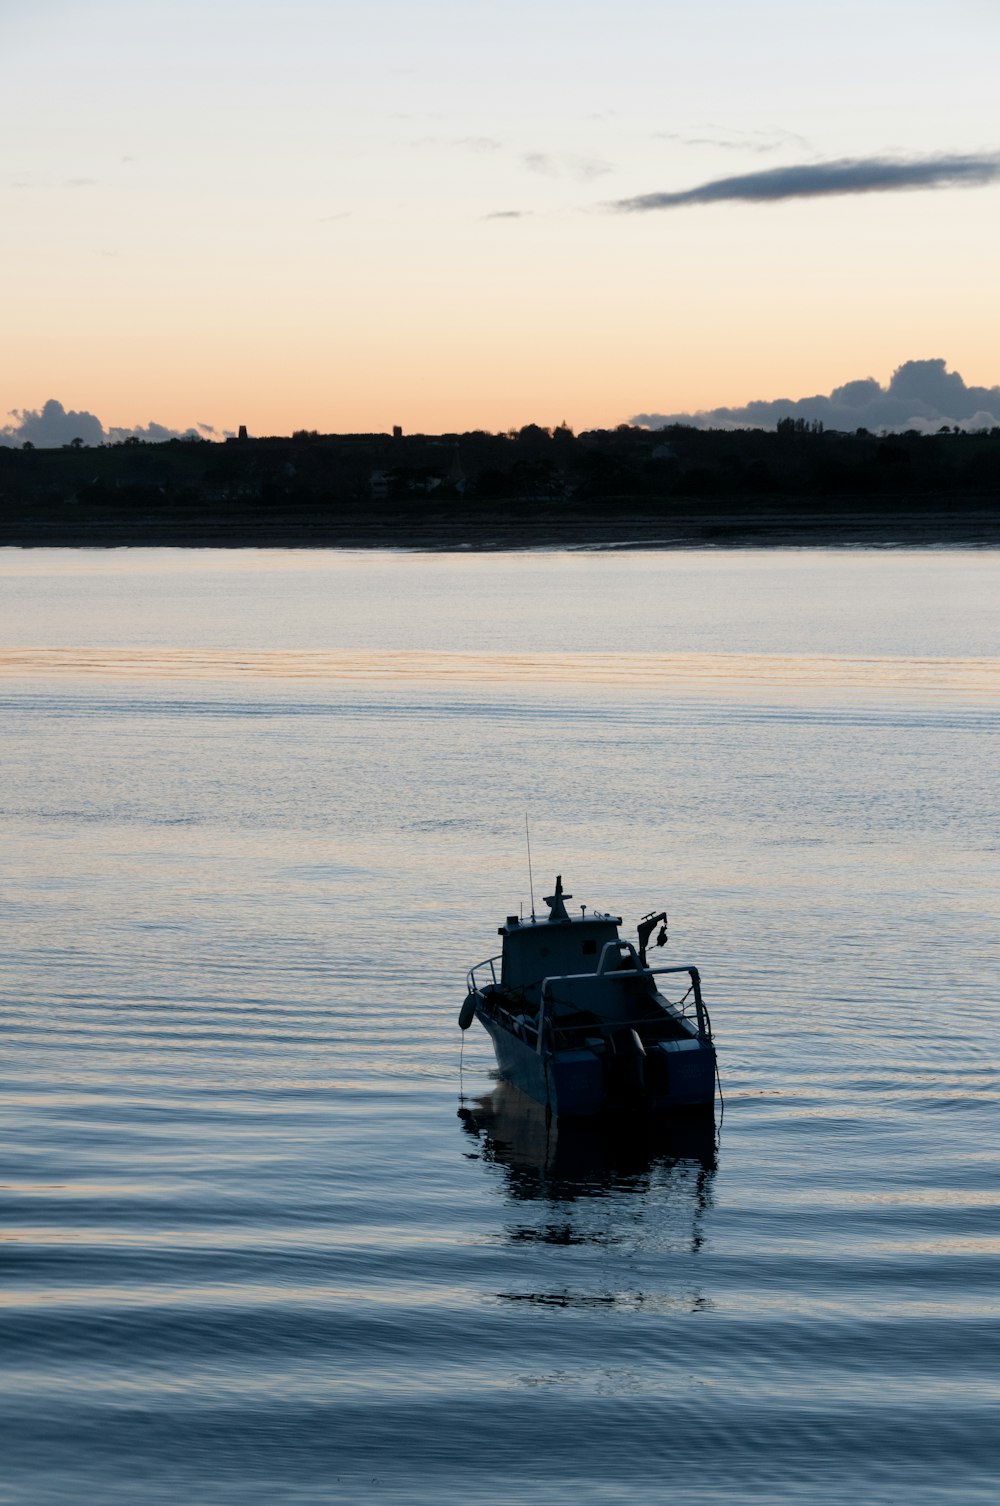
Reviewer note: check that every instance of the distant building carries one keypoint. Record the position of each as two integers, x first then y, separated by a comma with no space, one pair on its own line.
397,431
243,432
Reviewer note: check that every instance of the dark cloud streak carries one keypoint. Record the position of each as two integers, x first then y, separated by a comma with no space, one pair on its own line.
849,175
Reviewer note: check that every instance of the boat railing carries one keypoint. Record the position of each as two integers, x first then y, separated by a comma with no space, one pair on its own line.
605,972
491,963
624,974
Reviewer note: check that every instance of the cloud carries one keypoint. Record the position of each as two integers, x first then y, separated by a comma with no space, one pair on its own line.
587,168
152,433
921,395
52,426
539,162
561,164
849,175
735,141
542,163
480,143
45,184
508,214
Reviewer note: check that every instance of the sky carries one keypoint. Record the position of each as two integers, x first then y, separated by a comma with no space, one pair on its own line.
457,215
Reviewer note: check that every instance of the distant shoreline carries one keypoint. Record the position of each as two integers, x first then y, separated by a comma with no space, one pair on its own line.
536,489
618,523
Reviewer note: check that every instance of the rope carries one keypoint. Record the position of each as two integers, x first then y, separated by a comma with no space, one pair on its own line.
461,1069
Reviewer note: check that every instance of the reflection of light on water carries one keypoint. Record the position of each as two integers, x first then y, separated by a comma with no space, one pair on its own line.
974,679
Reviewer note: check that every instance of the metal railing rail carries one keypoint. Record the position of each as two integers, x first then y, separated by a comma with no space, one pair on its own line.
489,962
612,949
621,975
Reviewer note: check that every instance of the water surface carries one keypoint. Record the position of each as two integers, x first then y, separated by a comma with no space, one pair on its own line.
272,1235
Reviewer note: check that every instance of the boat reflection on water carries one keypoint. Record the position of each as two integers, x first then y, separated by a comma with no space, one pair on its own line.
655,1176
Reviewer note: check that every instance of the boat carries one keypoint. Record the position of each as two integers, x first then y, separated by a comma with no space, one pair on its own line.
578,1021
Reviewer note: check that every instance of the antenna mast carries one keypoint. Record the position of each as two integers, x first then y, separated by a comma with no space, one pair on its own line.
531,882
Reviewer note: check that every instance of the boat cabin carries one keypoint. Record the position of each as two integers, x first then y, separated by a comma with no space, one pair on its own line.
561,944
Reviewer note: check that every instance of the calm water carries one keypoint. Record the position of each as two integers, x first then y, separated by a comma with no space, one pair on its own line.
262,811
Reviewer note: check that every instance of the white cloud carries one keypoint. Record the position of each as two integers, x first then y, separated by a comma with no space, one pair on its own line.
52,426
921,395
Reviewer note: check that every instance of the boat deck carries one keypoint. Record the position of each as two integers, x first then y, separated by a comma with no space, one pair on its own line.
569,1028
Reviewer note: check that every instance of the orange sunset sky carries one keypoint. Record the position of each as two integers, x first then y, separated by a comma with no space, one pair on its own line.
341,217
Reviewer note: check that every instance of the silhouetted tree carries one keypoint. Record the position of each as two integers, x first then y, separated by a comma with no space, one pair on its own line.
787,426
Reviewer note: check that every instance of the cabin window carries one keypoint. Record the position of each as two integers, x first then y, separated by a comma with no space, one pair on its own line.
590,948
